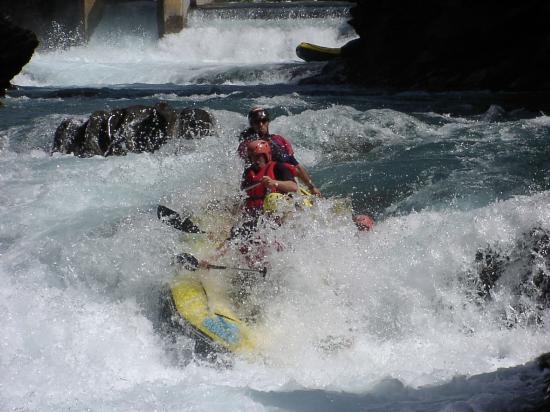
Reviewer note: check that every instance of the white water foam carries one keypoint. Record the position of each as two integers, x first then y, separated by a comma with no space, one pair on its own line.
83,256
116,55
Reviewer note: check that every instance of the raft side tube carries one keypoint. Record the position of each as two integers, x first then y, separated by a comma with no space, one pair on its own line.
175,324
315,53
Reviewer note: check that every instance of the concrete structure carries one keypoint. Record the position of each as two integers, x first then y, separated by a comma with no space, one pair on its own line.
80,17
92,11
172,15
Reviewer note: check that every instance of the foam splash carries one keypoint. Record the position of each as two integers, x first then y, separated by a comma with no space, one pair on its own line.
377,297
83,257
205,52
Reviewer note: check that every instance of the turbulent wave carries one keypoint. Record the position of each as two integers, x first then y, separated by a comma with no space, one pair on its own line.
84,258
418,314
124,49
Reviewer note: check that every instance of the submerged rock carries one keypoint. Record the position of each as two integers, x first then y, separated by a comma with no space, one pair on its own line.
524,269
133,129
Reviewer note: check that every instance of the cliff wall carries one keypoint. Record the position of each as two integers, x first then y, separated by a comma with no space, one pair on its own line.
448,45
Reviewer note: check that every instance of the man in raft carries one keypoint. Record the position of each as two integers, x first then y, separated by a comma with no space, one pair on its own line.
258,119
264,177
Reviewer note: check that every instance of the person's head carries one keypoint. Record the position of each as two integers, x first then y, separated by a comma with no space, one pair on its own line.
258,118
259,152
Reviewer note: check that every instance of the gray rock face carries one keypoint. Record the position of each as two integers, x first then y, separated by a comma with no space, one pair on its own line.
133,129
447,45
16,48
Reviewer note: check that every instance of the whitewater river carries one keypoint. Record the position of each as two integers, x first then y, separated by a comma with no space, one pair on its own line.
389,320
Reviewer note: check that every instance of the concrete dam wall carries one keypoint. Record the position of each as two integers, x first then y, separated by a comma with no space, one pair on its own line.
78,18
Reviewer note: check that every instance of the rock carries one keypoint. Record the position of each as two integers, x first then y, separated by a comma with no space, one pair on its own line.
68,136
133,129
195,123
56,23
188,123
440,46
523,269
16,48
101,134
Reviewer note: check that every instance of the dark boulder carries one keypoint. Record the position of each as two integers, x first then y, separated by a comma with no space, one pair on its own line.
187,123
523,269
447,45
133,129
56,23
16,48
68,137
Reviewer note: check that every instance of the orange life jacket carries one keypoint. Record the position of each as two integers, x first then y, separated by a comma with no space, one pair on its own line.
257,194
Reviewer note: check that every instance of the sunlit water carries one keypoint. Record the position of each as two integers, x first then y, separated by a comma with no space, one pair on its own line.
371,315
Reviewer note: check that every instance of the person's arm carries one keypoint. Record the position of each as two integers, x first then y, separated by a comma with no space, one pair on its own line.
282,186
301,171
284,181
303,175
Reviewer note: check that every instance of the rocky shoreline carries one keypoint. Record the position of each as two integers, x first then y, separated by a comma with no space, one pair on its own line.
446,46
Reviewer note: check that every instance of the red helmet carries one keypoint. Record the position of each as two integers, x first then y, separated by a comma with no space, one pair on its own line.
259,147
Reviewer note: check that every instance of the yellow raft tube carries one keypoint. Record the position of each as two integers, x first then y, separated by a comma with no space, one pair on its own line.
206,315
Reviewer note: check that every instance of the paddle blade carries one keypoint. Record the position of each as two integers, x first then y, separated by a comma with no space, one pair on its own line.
172,218
188,261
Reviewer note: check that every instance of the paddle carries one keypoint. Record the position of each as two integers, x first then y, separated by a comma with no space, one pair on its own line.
172,218
190,262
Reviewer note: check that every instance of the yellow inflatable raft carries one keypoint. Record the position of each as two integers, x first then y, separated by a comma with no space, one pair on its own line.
201,308
314,53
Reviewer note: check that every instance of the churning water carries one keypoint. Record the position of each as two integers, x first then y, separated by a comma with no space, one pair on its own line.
386,320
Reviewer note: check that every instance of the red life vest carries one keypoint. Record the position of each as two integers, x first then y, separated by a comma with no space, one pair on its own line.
256,195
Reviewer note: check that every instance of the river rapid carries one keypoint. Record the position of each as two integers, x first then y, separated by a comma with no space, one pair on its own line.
390,319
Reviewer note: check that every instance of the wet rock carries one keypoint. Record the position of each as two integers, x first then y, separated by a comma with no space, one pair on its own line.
56,23
133,129
490,267
68,137
452,45
187,123
524,270
16,48
194,123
